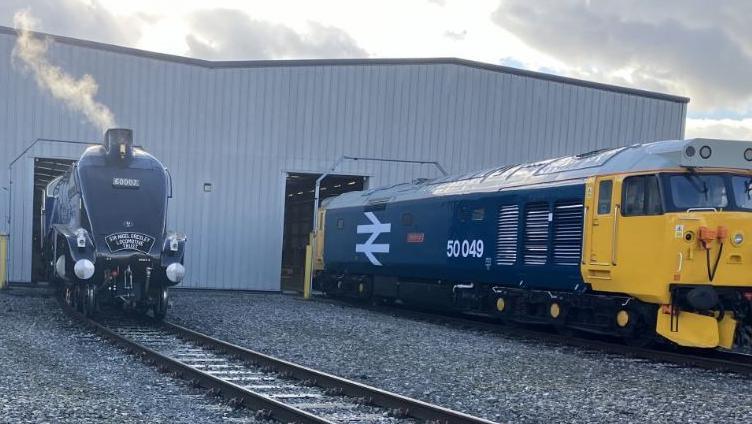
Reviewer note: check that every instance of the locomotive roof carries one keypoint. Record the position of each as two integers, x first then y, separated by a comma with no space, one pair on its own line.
668,154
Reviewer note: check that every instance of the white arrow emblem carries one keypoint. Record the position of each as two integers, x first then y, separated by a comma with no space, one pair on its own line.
375,228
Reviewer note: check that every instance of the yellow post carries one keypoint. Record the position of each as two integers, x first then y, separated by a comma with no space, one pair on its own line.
308,270
3,261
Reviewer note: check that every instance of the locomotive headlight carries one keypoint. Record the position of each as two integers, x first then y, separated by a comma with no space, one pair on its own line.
737,239
83,269
175,272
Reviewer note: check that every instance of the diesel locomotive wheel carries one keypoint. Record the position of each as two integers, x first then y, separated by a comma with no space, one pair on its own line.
160,308
635,327
88,300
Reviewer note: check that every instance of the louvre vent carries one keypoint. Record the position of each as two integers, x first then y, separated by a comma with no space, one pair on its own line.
506,235
567,233
536,234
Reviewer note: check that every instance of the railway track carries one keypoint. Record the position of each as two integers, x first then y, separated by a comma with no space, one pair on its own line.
723,361
278,389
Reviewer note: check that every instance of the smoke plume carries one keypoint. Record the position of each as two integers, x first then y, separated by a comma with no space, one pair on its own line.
77,94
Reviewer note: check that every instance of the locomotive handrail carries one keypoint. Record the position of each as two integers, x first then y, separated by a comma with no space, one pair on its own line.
614,233
690,210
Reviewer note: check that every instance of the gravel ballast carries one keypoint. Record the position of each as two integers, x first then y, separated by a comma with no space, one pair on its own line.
55,371
482,373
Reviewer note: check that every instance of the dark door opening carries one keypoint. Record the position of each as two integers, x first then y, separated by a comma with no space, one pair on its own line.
45,170
299,219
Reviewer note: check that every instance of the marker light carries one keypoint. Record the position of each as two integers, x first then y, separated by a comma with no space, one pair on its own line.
81,237
175,272
737,239
174,244
748,155
84,269
705,152
689,151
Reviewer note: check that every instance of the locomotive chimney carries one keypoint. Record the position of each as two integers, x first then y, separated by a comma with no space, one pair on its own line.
118,142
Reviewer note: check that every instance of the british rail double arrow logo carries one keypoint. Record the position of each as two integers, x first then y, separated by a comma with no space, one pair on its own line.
375,228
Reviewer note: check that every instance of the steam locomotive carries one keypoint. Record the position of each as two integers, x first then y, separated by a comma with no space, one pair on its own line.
646,242
104,229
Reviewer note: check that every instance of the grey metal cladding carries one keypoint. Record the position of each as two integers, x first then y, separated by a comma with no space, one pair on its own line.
241,126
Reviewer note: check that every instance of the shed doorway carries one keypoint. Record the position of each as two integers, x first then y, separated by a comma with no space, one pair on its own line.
299,197
45,170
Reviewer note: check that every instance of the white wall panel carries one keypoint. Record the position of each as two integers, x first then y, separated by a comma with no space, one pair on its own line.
241,126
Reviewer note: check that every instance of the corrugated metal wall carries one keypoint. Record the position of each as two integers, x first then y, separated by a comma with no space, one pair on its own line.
242,128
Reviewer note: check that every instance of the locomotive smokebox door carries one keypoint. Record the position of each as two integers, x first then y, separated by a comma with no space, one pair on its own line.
119,143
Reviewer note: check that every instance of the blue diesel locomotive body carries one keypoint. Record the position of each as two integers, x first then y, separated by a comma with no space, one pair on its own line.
453,239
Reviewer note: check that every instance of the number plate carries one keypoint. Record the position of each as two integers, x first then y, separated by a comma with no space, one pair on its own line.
132,183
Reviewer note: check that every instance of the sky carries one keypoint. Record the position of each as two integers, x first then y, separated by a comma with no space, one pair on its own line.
698,49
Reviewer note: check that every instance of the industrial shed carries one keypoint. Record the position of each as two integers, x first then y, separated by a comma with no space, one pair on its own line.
244,141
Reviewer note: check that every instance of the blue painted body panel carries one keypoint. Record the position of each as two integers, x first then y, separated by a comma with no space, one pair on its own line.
49,207
417,243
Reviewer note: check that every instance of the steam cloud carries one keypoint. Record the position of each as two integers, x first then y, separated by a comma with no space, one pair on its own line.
78,95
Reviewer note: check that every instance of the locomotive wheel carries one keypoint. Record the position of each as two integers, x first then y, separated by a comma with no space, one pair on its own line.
88,300
76,298
142,309
68,295
636,329
160,308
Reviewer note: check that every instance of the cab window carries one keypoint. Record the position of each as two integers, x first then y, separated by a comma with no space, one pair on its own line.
690,191
742,191
604,196
641,196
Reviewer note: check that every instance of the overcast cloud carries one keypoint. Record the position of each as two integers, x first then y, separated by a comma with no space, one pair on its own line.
77,19
699,49
224,34
695,48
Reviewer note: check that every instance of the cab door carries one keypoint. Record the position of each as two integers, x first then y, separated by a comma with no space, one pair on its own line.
600,252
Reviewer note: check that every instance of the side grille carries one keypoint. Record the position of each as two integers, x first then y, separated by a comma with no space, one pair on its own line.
567,243
536,234
506,235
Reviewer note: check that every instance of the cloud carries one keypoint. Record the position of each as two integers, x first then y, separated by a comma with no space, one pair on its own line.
734,129
74,18
223,34
456,35
683,47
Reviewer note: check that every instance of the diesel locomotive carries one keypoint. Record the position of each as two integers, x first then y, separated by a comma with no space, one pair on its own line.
646,242
104,229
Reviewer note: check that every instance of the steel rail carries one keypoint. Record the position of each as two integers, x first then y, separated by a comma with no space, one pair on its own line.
410,407
226,389
714,360
401,406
